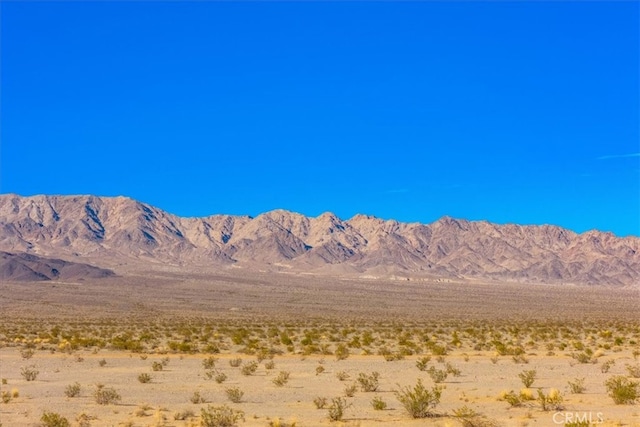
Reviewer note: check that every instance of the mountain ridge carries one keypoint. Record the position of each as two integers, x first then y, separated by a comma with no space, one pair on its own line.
122,227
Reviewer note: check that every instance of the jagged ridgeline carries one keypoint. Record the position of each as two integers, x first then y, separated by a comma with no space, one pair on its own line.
122,228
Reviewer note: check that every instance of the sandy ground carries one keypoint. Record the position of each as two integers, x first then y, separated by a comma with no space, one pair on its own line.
283,299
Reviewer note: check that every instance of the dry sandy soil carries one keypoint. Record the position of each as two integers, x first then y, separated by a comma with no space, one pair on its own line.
245,316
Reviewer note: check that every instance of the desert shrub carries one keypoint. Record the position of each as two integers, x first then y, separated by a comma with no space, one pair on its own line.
220,416
197,398
421,363
470,418
234,363
520,359
418,401
29,373
606,366
27,353
526,394
157,366
337,408
342,375
234,394
583,357
378,404
209,362
281,379
183,415
249,368
269,364
144,378
52,419
320,402
512,399
437,375
5,396
368,383
84,420
576,386
452,370
634,370
106,395
341,352
551,401
350,390
220,377
622,390
528,377
72,390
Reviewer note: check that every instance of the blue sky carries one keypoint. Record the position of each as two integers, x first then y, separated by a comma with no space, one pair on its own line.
512,112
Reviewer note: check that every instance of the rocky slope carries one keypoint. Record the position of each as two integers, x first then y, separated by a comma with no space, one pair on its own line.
89,226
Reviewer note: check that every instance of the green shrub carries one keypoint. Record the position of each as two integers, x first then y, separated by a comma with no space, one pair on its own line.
622,390
437,375
551,401
144,378
220,416
249,368
234,394
29,373
368,383
577,386
209,362
281,379
418,401
378,404
320,402
106,395
51,419
421,363
72,390
337,408
528,377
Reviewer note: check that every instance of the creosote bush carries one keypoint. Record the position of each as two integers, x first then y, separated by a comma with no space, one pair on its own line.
29,373
528,377
281,379
418,401
234,394
220,416
320,402
368,382
577,386
622,390
106,395
249,368
197,398
144,378
378,404
52,419
337,408
72,390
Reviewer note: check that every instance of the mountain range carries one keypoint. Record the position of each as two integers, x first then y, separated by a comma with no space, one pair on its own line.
79,229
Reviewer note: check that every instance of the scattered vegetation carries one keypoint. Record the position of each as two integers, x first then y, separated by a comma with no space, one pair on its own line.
418,401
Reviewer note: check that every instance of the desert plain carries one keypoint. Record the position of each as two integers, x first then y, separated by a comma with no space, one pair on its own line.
161,346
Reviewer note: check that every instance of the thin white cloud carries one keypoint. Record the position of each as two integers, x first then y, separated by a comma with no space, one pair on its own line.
618,156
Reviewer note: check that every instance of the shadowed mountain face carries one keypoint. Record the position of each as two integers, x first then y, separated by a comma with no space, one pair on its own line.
32,268
121,228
